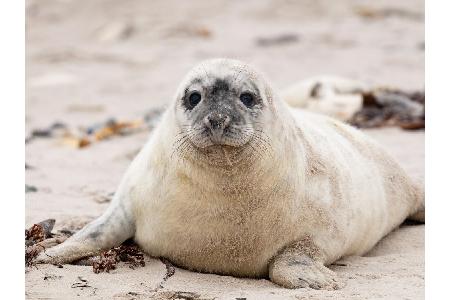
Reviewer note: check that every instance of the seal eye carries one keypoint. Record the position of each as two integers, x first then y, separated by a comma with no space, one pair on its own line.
194,99
247,99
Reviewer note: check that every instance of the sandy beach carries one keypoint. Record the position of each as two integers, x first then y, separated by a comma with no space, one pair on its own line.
89,61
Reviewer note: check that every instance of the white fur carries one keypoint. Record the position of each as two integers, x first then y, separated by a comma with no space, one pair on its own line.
319,178
183,212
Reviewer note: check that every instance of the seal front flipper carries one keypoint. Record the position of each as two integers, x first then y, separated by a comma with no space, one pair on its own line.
116,225
109,230
299,266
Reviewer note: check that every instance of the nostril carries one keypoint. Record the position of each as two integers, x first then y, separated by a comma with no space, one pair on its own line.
214,123
209,122
226,121
217,121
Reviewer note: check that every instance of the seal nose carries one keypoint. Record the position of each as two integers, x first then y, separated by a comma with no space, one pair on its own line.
217,121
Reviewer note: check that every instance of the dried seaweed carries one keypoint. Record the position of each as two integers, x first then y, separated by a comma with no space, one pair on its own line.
81,283
373,13
39,237
39,232
387,107
30,254
170,271
128,253
36,234
85,136
51,131
112,127
178,295
189,30
282,39
106,262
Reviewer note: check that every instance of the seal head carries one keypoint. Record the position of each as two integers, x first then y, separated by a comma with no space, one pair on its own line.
220,106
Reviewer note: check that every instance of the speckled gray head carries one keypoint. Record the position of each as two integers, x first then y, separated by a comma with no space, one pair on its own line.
222,102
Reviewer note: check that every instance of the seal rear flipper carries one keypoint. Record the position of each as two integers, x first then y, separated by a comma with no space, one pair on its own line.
418,215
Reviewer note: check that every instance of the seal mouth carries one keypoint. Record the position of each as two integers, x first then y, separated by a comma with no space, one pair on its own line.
229,148
220,146
219,137
223,137
216,136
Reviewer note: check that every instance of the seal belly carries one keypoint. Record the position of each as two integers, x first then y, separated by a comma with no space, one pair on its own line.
214,237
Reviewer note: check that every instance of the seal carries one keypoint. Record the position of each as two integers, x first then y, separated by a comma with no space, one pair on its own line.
233,181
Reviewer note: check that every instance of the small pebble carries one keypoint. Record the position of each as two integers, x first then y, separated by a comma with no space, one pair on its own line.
41,133
30,189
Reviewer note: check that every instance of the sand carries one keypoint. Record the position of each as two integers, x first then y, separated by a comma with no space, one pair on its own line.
88,61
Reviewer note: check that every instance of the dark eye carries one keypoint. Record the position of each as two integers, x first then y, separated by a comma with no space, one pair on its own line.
194,99
247,99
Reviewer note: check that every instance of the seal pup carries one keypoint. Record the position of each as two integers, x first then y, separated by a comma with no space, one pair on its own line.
233,181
